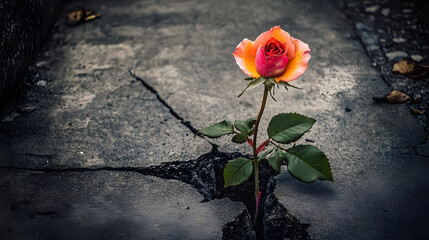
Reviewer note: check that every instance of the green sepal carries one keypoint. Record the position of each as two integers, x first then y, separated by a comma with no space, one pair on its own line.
217,130
308,164
254,83
237,171
249,79
276,159
239,138
269,85
286,84
289,127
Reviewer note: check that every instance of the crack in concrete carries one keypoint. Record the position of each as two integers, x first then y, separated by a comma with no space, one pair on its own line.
59,170
206,175
163,102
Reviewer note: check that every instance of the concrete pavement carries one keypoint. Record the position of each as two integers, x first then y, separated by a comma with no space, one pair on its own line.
92,113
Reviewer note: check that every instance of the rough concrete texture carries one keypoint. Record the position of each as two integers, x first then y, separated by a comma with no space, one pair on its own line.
94,113
115,205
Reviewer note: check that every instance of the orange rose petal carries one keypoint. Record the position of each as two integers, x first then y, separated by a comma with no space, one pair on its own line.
290,49
297,66
245,59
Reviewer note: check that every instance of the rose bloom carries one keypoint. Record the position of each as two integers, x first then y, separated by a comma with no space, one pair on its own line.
274,54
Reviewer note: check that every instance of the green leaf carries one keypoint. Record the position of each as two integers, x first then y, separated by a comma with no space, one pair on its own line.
237,171
289,127
308,164
253,84
265,154
245,126
218,129
276,159
239,138
250,133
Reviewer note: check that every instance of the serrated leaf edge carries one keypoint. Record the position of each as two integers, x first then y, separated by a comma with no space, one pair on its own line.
327,179
314,121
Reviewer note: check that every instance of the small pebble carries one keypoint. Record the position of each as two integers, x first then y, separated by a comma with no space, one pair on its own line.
10,117
42,64
26,108
417,57
417,98
399,40
40,87
374,64
396,54
385,11
372,9
41,83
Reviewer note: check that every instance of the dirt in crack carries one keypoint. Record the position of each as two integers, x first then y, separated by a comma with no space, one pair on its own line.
206,175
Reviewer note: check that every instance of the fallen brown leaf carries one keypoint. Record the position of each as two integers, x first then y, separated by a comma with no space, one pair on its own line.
397,97
410,68
81,15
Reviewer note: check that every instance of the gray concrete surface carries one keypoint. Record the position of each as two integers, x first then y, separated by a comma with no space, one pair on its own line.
98,118
93,113
106,205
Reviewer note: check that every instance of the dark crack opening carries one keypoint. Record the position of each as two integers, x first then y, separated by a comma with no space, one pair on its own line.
206,175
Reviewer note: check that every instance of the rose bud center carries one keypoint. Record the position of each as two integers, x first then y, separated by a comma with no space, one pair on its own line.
271,59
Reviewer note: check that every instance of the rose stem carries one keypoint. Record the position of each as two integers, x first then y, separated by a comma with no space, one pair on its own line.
255,153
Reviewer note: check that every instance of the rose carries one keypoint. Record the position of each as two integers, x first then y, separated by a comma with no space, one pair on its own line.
274,54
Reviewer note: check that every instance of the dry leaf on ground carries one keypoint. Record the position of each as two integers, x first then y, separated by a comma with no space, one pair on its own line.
397,97
410,68
81,15
394,97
